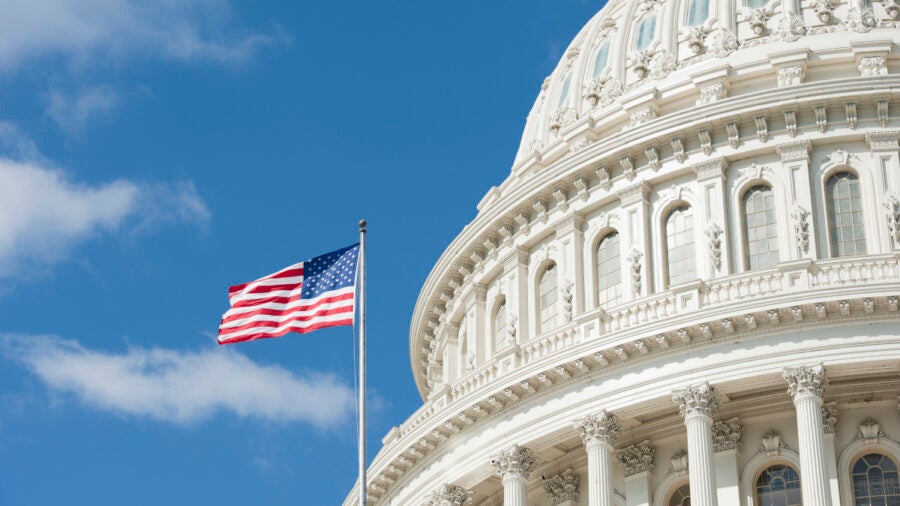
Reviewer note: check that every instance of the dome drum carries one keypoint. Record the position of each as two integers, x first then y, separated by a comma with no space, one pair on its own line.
699,243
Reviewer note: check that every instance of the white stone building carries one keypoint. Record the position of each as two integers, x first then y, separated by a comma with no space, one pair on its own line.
687,289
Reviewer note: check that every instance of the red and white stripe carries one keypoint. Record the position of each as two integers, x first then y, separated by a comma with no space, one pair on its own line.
272,307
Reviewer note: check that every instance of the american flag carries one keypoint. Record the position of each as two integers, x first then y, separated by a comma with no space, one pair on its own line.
301,298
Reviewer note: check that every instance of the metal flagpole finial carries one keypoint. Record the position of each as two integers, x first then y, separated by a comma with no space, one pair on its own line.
362,225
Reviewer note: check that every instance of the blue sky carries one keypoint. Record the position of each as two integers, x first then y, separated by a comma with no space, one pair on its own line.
154,152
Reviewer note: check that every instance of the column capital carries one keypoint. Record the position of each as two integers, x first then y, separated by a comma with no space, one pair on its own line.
727,435
449,495
637,458
562,487
514,462
806,381
697,400
602,428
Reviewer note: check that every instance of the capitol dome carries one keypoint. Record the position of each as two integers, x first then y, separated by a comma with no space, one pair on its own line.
687,289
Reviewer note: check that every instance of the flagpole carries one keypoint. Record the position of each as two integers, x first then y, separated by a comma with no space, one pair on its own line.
362,363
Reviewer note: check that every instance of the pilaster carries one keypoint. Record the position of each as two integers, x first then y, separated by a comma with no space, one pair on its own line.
795,157
570,237
635,243
515,284
711,182
727,445
637,463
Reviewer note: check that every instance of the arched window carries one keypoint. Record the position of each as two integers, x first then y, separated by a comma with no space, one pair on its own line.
681,497
564,93
609,272
698,12
760,228
875,481
646,32
548,297
682,265
500,332
846,227
601,59
778,485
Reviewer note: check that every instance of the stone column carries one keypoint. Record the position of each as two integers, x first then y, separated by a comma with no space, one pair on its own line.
514,464
449,495
637,462
599,433
697,405
807,386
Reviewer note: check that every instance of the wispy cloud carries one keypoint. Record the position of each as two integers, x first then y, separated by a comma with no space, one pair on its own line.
71,111
44,213
181,387
92,31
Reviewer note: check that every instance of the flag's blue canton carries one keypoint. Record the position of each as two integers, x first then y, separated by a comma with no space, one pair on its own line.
331,271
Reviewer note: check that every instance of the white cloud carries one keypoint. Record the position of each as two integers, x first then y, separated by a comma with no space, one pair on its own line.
182,387
72,111
83,30
43,213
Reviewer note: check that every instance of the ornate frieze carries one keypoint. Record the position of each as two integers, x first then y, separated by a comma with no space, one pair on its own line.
859,19
634,193
643,115
449,495
514,462
637,458
884,140
727,435
602,428
697,400
562,487
806,381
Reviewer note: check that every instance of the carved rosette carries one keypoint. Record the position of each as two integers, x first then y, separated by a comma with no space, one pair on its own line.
727,435
602,428
449,495
514,462
562,487
637,458
697,400
805,382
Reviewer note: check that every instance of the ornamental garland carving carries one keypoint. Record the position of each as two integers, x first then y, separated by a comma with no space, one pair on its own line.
449,495
714,234
637,458
634,260
567,300
892,205
562,487
806,381
722,42
829,418
727,435
602,428
697,400
801,228
514,462
562,118
892,8
758,20
825,10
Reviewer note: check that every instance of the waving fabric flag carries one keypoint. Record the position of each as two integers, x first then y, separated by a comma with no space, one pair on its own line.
301,298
